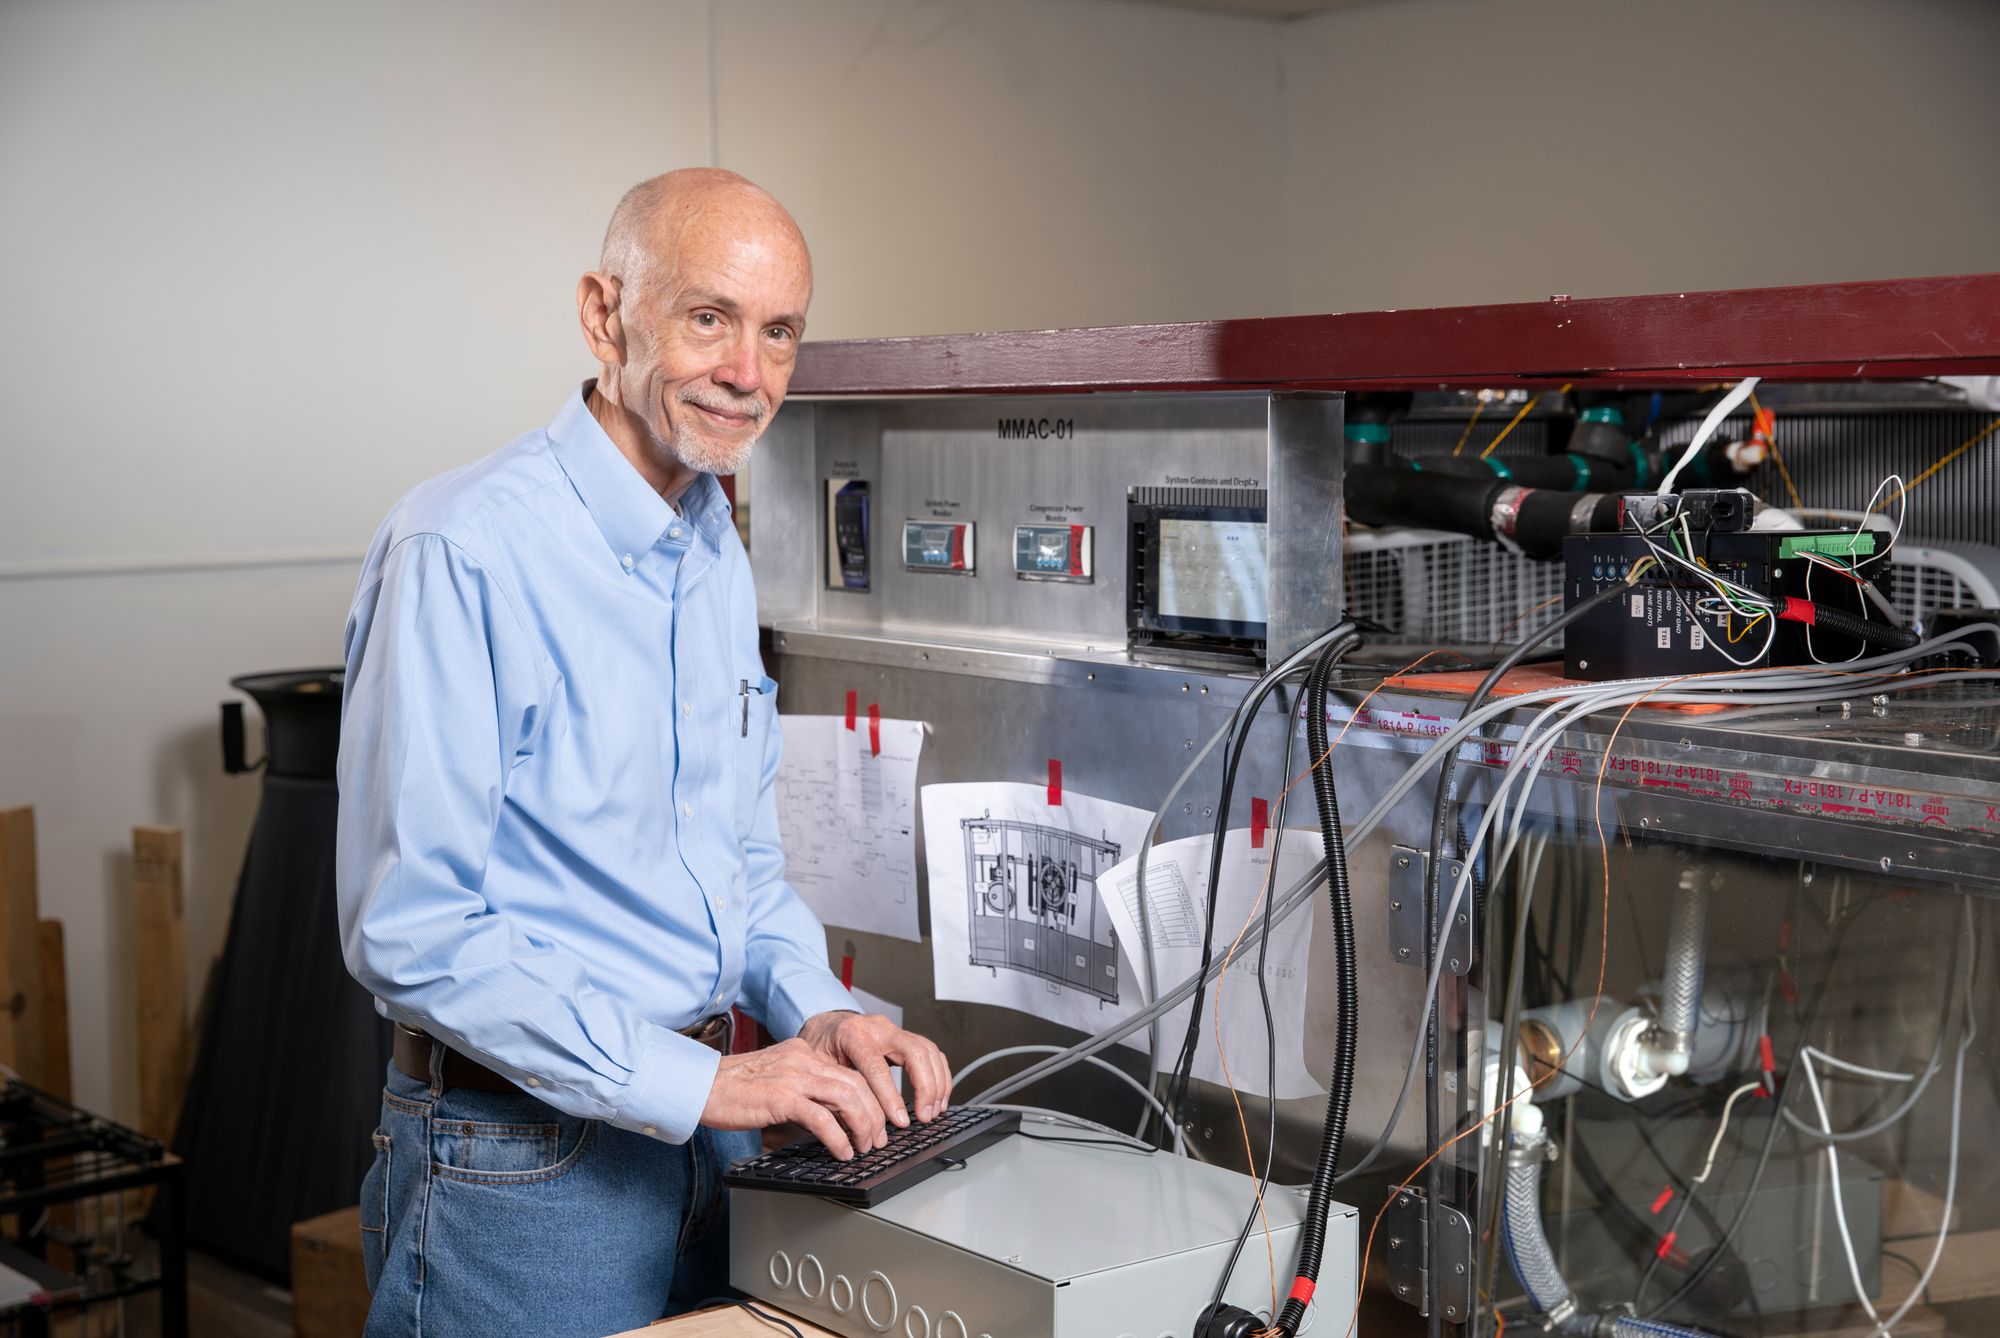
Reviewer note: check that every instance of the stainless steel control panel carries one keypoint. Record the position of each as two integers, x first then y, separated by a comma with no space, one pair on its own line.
859,506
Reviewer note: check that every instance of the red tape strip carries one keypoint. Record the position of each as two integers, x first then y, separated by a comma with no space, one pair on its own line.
1260,818
1666,1197
874,729
1055,780
1799,611
853,701
1076,550
1666,1244
847,971
1766,1060
1302,1290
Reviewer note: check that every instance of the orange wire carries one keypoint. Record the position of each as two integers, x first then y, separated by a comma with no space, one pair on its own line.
1525,613
1525,411
1263,890
1478,408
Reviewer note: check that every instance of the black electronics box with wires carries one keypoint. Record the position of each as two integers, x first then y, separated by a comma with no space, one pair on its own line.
1682,615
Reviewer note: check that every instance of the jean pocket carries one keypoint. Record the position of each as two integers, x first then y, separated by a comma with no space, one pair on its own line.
496,1152
375,1209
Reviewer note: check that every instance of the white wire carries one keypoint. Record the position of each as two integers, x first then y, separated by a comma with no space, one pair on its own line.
1859,1070
1724,407
1180,1143
1708,1163
1902,513
1833,1180
1064,1117
1885,1328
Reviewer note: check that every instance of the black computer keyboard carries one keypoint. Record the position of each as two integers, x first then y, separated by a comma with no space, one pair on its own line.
910,1157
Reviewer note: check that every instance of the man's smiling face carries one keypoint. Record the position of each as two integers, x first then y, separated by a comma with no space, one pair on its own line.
712,337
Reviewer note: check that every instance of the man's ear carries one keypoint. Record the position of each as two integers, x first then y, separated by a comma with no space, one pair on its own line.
597,311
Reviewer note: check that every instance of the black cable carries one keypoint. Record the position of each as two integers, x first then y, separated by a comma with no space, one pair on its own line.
1270,1029
1340,1088
1183,1070
766,1316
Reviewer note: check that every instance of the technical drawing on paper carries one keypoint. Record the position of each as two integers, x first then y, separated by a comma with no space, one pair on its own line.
1172,917
848,818
1032,903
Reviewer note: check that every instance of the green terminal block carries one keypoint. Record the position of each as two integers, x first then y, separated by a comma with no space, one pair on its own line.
1856,544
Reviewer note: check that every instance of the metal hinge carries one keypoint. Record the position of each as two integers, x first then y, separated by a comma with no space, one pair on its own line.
1451,1245
1408,868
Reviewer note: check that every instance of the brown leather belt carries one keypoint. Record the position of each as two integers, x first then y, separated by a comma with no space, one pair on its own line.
413,1056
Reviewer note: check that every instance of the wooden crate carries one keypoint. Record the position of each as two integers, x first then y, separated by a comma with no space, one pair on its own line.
329,1289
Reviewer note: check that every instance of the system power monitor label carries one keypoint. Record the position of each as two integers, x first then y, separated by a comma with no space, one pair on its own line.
1054,553
939,546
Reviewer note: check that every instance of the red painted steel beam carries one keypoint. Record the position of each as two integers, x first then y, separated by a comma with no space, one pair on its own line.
1889,329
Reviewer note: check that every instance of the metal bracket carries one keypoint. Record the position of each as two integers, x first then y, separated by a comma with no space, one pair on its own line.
1408,868
1451,1242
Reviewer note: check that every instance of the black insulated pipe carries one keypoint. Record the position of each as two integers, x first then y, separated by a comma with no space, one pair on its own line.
1340,1087
1533,520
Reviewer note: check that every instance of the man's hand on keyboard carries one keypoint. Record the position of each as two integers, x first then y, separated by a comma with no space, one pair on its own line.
798,1083
869,1044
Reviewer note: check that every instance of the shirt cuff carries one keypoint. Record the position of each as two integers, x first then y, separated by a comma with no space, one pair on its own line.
669,1088
791,1002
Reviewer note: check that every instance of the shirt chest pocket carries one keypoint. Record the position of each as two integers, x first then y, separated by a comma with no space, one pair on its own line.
756,717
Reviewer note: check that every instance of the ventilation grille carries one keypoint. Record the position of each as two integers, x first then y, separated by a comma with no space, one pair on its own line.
1435,588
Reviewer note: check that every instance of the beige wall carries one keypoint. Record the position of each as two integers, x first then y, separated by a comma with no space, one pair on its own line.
265,266
979,166
1443,152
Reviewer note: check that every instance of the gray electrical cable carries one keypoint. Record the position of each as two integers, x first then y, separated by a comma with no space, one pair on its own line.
1180,1144
1787,687
1651,689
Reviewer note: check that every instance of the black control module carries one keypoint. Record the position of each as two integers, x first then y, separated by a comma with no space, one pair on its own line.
1672,620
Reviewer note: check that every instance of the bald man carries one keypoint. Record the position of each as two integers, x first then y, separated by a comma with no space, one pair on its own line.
558,849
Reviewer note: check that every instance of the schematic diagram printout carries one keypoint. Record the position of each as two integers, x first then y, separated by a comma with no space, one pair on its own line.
1018,915
1177,902
848,819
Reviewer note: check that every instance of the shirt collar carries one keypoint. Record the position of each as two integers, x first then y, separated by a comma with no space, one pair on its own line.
628,513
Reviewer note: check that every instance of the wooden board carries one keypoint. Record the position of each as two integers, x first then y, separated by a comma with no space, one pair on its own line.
20,946
55,1077
725,1322
158,913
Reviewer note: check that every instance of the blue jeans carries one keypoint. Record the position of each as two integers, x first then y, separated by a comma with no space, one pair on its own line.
490,1213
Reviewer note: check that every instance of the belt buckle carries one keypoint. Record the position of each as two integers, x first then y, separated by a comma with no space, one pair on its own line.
718,1032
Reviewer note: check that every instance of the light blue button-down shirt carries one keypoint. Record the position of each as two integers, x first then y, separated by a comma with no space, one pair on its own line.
558,840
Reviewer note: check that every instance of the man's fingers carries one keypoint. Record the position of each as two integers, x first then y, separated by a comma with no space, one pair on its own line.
930,1079
847,1093
820,1122
883,1084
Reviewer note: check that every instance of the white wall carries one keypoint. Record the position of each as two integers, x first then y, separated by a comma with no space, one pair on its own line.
1444,152
265,265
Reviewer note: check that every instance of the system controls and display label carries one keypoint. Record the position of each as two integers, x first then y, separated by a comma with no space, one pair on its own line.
1053,552
930,545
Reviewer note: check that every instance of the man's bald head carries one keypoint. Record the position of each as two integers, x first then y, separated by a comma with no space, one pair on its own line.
652,222
695,318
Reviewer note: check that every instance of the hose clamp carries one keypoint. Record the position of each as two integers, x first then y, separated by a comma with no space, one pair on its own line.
1504,516
1581,512
1560,1316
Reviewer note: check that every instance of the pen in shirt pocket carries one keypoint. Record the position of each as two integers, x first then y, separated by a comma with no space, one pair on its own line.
744,689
